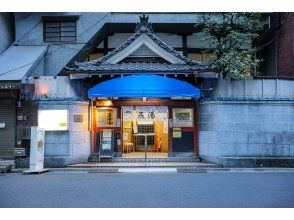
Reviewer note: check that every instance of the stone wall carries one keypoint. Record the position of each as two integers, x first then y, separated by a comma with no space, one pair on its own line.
72,146
247,133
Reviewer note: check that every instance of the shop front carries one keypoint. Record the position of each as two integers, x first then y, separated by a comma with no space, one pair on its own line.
143,97
149,116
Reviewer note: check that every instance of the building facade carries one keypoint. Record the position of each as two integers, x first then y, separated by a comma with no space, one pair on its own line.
145,84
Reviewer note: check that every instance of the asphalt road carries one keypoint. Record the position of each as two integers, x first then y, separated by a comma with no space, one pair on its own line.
147,190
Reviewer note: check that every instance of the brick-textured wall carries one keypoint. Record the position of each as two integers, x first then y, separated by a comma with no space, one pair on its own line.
286,46
248,129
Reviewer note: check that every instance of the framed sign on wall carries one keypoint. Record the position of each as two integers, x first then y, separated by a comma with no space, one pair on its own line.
183,117
106,117
53,120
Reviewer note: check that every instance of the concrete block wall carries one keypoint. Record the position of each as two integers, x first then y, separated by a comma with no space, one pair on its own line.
245,130
72,146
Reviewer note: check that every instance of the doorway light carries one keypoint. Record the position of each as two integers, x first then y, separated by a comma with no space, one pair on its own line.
108,103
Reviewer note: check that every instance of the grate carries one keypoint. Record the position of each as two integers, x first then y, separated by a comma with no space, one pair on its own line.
145,128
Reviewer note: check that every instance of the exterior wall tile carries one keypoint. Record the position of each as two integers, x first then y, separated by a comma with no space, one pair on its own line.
291,109
241,149
266,138
256,108
275,109
240,108
203,149
291,126
77,137
291,146
284,118
225,126
226,118
233,137
275,150
240,117
254,150
289,137
207,117
63,137
208,137
213,126
213,108
226,108
203,108
203,126
81,149
57,150
214,150
254,130
274,126
87,137
228,150
247,126
51,137
260,118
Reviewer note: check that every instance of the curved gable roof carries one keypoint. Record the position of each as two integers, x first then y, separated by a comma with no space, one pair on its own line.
143,35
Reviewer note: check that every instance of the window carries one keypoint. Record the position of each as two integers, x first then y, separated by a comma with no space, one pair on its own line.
59,31
203,57
106,117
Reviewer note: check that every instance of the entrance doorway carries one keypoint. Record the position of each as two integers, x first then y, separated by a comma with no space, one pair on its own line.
144,131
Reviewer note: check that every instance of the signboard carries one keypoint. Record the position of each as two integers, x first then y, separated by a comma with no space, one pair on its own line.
106,144
177,133
10,85
53,120
37,149
182,117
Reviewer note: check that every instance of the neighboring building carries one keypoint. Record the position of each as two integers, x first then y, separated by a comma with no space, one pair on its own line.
146,81
277,45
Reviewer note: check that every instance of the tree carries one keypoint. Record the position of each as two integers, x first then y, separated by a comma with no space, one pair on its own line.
230,37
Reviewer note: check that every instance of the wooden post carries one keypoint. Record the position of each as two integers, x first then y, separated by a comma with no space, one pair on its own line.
196,145
170,130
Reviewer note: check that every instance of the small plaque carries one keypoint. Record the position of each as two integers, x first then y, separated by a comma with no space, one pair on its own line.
177,134
106,146
78,118
19,152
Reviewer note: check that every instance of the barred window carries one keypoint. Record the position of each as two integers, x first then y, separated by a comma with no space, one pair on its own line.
59,31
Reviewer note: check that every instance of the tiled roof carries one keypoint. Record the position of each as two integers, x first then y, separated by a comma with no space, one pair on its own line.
142,28
144,67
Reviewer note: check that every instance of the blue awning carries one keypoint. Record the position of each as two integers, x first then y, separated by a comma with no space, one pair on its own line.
149,86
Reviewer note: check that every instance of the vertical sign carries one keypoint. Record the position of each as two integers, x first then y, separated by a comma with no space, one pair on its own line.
37,149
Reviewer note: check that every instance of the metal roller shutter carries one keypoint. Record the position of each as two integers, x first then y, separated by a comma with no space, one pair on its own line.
7,134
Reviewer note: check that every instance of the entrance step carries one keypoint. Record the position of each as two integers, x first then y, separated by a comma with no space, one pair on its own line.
145,165
6,165
95,159
164,159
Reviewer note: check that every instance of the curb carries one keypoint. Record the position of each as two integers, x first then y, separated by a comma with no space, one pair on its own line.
236,170
164,170
147,170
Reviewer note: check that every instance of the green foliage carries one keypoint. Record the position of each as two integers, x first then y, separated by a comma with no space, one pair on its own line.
230,36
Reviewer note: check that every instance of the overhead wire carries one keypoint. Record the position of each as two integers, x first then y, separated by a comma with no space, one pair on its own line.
279,31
